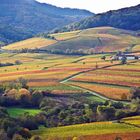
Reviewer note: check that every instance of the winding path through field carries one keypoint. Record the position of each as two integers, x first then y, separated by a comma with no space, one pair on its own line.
64,81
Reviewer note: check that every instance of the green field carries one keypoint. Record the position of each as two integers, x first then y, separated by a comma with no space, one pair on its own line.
15,112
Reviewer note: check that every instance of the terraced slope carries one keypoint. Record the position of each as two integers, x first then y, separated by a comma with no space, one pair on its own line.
58,72
103,39
95,40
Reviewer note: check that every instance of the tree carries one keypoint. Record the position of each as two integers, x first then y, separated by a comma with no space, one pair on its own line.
3,112
120,114
135,93
37,98
23,83
2,89
36,138
75,138
96,65
123,60
118,105
17,137
29,122
17,62
12,93
123,96
118,138
103,57
3,135
24,132
25,100
105,112
6,124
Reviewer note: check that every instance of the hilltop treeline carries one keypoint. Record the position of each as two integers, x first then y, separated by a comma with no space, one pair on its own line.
126,18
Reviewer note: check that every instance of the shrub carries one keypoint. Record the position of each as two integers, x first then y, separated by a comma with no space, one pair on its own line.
120,114
17,62
17,137
36,138
123,97
23,82
135,93
75,138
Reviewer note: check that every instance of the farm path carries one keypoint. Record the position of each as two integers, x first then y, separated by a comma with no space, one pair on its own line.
87,90
91,92
85,71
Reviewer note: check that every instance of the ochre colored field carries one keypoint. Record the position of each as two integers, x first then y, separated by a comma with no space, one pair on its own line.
136,48
116,80
39,75
103,39
123,75
117,72
132,120
45,71
66,35
91,130
106,90
123,136
34,83
32,43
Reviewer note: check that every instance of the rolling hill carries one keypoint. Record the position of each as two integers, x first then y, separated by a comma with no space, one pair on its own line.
126,18
32,43
94,40
21,19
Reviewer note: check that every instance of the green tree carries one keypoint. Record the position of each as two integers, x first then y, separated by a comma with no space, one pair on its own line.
135,93
17,137
3,135
23,82
124,60
17,62
103,57
106,112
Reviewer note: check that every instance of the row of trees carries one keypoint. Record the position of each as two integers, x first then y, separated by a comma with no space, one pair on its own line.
58,51
17,62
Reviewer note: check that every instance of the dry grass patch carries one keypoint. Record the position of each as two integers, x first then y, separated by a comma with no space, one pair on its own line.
32,43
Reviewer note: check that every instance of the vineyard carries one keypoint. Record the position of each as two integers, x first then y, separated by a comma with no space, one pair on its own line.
113,82
132,120
69,73
88,41
32,43
89,131
89,79
112,92
47,72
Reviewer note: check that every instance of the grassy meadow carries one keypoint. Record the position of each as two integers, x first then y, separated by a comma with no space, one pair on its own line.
15,112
